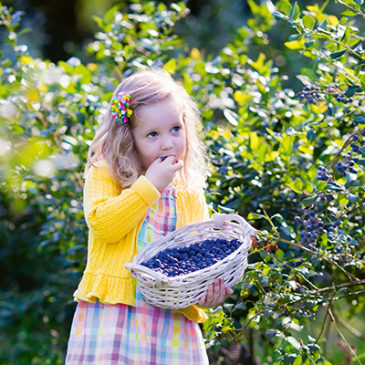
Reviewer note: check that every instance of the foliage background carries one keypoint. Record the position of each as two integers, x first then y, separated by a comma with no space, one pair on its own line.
282,101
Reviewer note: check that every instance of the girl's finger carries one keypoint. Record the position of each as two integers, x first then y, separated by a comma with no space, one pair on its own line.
210,293
202,300
177,166
220,290
223,291
217,292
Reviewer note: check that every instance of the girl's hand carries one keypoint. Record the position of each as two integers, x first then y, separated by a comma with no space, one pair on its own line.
161,172
216,294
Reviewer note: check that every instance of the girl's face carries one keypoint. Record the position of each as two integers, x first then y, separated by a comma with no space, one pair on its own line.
159,131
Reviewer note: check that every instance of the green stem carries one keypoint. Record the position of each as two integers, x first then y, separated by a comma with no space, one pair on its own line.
359,12
324,321
324,6
269,220
338,154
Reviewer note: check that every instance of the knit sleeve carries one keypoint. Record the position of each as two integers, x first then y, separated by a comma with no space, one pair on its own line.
111,213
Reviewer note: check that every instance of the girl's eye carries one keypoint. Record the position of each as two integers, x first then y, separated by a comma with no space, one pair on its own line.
152,134
176,129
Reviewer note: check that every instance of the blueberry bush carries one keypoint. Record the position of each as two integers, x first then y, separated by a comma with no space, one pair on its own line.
291,161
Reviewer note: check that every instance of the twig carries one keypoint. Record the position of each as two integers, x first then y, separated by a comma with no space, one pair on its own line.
329,261
359,12
352,330
327,332
333,287
325,318
338,154
350,294
344,339
270,221
240,330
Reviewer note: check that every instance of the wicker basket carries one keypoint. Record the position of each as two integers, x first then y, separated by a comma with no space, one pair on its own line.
184,290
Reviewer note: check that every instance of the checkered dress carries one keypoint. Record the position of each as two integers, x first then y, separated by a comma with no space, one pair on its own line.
146,335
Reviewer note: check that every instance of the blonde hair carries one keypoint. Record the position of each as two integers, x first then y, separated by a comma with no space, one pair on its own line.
114,142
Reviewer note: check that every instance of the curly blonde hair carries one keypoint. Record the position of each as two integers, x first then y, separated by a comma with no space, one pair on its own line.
114,142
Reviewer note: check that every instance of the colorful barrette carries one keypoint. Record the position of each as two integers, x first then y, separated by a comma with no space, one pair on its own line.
120,108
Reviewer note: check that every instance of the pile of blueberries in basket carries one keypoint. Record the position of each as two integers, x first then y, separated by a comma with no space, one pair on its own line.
184,260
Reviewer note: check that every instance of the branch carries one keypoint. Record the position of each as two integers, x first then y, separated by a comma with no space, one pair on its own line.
338,154
322,290
325,319
352,330
359,12
329,261
240,330
341,286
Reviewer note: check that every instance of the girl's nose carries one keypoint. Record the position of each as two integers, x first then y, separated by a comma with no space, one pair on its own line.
166,144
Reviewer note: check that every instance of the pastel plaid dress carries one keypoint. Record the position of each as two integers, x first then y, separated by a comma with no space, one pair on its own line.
146,335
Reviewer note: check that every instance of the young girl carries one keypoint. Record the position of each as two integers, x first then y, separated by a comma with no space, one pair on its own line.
144,178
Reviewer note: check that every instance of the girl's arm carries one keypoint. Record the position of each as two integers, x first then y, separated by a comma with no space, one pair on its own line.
111,213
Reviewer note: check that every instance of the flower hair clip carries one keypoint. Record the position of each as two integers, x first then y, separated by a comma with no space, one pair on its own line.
120,108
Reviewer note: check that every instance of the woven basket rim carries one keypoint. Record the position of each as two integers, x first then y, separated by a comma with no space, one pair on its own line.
175,281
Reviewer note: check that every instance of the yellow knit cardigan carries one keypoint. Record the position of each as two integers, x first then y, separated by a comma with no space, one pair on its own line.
114,217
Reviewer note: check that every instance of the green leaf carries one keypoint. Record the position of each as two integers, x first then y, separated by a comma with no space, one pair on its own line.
295,44
170,66
110,14
348,12
309,201
298,183
278,15
353,198
295,11
295,186
351,90
338,54
309,43
309,21
254,141
298,361
311,135
350,178
161,7
284,6
308,188
255,216
224,209
231,116
294,37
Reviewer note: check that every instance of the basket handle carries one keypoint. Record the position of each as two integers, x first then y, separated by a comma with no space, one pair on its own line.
220,218
156,277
